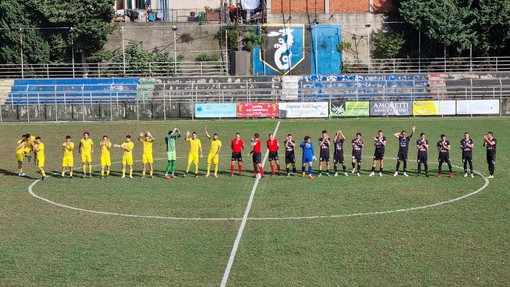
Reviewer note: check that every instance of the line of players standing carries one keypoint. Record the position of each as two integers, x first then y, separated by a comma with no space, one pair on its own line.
380,141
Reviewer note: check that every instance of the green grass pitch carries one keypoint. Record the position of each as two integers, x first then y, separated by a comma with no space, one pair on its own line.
463,243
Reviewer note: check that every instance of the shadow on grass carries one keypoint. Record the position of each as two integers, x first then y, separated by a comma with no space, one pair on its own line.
10,173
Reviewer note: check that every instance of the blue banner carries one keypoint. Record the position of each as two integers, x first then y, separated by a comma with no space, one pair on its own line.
225,110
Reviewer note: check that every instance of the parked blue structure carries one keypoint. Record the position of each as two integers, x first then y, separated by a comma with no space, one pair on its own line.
59,91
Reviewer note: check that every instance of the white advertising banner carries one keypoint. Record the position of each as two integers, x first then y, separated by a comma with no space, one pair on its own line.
478,107
304,110
434,108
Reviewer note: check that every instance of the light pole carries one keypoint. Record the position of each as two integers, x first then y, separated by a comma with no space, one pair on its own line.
21,52
123,52
316,47
174,29
419,50
368,25
71,33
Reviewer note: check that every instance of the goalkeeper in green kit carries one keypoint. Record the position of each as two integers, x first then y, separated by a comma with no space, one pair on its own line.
170,151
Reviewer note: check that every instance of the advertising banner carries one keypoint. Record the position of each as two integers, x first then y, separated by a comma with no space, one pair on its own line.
434,108
217,110
478,107
304,110
349,109
391,108
257,110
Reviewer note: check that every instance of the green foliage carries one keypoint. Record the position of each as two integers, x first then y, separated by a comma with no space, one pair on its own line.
388,45
186,38
249,37
459,24
47,37
207,58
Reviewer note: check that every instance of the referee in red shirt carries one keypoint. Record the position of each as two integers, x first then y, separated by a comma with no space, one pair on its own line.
272,146
237,145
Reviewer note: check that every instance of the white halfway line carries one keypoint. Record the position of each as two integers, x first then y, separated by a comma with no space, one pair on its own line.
243,222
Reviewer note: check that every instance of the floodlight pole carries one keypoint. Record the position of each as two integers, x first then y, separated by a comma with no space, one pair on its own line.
21,52
71,33
123,52
174,29
368,25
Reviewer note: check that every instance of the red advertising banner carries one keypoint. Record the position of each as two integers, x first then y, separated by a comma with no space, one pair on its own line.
257,110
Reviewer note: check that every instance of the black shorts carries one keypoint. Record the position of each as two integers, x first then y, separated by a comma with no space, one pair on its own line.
324,157
443,158
338,159
467,157
491,157
290,158
378,155
357,157
402,156
257,157
237,156
273,155
423,158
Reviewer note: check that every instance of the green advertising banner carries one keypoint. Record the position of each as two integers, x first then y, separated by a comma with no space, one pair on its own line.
349,109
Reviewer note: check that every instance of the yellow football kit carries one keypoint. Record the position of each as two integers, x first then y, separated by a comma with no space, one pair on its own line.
28,146
40,155
20,150
127,157
215,145
195,146
105,153
86,150
68,160
147,151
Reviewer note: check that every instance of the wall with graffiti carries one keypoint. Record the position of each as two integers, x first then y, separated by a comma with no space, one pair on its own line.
298,50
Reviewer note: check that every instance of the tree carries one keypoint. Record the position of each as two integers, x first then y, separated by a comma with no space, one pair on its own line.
388,45
46,29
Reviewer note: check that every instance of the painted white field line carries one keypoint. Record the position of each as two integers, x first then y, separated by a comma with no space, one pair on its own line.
381,212
243,222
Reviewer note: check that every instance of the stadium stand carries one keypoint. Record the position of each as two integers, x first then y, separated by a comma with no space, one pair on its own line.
58,91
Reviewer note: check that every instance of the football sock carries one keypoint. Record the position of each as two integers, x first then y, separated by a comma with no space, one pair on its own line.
405,166
143,172
173,167
359,167
71,173
327,170
240,168
131,172
43,173
187,168
288,170
196,169
151,173
215,169
450,166
90,168
335,168
279,169
84,168
353,165
168,166
471,166
398,166
310,170
380,169
63,173
344,167
439,167
272,168
102,172
208,167
373,168
123,172
419,167
426,168
465,166
231,169
294,169
255,170
20,170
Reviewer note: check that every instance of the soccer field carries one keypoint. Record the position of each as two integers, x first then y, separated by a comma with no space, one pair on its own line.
331,231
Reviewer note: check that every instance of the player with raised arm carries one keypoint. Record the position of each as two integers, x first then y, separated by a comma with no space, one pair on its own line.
38,148
20,151
170,152
466,145
380,145
29,147
422,145
86,148
357,148
489,142
214,153
147,159
308,156
273,145
68,159
106,162
256,153
127,156
290,156
324,143
237,145
403,149
443,146
338,154
195,148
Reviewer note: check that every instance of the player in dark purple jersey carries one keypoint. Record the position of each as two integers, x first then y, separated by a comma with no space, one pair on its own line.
466,145
338,154
357,148
403,149
324,144
290,157
380,145
443,146
489,142
422,144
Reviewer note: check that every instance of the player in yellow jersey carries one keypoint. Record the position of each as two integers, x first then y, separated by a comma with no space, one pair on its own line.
86,149
29,148
68,160
147,140
127,157
38,148
194,149
214,153
20,151
106,162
